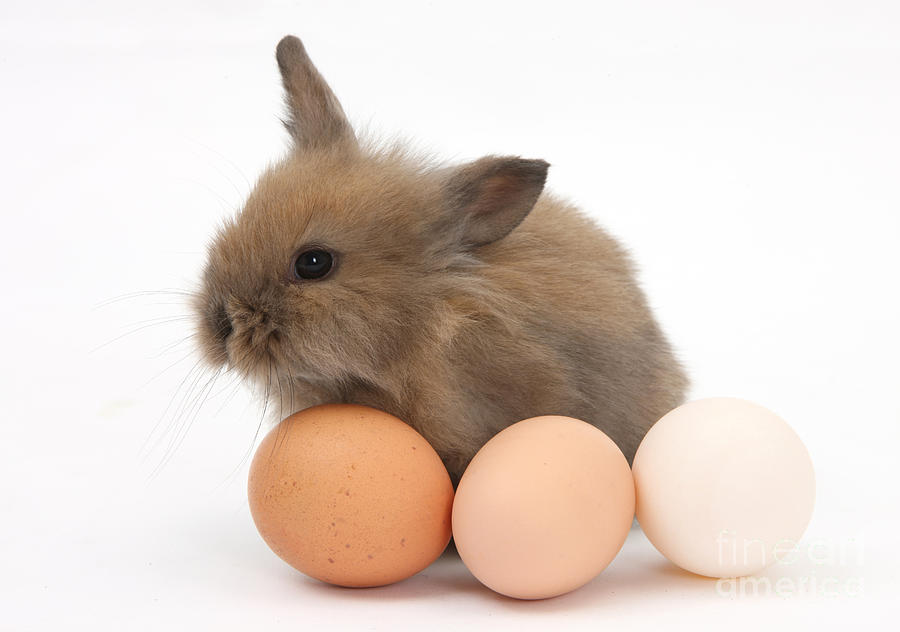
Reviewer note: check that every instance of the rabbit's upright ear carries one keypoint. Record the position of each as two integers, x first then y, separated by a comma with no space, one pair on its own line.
315,117
488,198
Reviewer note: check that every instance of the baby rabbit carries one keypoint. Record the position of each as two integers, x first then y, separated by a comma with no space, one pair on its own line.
459,298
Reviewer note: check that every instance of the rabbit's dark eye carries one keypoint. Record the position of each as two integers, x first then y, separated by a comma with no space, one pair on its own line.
312,264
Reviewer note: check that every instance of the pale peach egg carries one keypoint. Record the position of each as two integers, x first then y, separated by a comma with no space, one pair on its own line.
543,507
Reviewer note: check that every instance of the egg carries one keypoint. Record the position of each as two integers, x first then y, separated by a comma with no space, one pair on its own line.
724,486
350,495
543,507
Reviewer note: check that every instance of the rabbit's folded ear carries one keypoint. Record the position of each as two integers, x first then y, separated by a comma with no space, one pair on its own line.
315,117
488,198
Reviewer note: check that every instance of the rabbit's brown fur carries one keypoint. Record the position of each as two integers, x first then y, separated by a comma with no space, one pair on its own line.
463,299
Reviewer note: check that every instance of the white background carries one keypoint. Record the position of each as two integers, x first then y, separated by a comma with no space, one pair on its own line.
748,156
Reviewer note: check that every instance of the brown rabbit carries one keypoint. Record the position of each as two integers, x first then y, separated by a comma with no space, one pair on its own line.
460,299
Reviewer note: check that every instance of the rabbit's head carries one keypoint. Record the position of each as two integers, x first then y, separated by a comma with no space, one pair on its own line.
342,255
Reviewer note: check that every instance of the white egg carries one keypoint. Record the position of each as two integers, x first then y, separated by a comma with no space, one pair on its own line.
724,487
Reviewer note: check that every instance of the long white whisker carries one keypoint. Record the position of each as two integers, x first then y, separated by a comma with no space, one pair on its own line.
151,323
132,295
143,451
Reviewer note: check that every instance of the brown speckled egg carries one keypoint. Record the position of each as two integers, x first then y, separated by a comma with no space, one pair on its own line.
350,495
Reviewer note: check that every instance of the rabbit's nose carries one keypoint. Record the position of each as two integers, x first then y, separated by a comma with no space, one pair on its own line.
249,319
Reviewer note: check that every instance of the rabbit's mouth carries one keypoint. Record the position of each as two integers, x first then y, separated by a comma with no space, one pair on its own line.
251,343
243,338
254,351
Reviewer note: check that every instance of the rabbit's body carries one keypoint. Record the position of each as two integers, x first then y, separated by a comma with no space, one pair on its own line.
458,299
